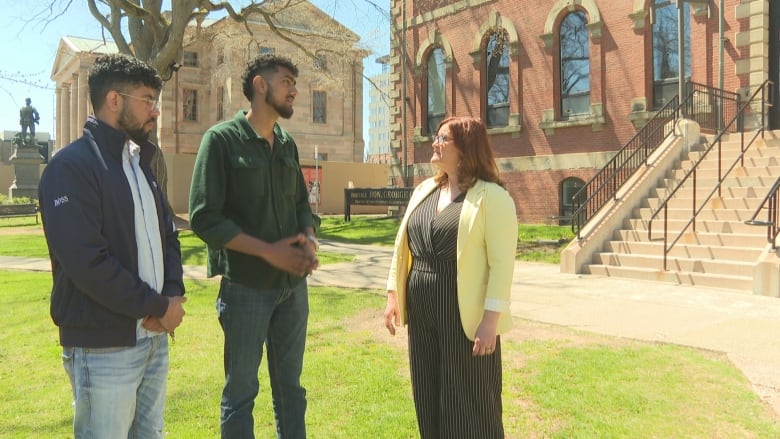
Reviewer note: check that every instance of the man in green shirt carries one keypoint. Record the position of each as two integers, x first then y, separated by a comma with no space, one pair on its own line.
249,204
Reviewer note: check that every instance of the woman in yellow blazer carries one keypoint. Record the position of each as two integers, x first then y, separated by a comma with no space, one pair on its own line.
450,281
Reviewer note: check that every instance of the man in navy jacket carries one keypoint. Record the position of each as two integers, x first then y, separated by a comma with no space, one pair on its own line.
115,255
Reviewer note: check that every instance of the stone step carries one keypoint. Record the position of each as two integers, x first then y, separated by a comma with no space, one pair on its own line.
693,251
678,213
722,250
755,241
711,266
701,225
731,181
703,191
749,162
686,202
737,283
731,151
711,172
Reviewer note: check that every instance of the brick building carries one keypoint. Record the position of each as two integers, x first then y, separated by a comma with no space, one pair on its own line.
564,84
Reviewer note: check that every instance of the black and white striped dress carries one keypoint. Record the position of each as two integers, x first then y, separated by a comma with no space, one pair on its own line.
456,394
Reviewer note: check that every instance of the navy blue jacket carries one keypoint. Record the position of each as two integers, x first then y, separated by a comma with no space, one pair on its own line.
88,218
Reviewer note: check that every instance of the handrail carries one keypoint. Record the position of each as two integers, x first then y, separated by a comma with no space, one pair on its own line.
664,206
770,204
603,186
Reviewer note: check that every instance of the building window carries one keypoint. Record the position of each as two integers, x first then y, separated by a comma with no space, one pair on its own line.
190,104
666,72
265,50
575,66
569,188
497,75
220,55
220,103
190,59
320,62
319,107
436,90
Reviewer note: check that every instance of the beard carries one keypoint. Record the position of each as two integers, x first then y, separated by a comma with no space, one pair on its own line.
285,111
130,125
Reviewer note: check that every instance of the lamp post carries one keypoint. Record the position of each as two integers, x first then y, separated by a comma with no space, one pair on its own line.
681,43
680,51
404,158
316,188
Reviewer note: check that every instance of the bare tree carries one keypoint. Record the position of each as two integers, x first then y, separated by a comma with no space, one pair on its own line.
142,28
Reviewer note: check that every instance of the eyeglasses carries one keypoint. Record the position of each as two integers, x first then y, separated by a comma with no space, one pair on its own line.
440,139
151,104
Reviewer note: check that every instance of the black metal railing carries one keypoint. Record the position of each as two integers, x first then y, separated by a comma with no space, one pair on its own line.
709,107
735,124
769,204
603,186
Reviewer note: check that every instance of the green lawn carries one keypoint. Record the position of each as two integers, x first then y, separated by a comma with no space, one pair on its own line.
193,250
536,243
558,384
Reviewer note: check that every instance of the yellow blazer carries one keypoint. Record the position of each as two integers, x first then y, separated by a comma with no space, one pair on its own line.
487,242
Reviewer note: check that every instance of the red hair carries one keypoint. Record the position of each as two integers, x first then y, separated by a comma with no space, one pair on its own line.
470,138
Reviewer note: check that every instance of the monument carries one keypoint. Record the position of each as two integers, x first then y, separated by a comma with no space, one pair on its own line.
28,117
26,158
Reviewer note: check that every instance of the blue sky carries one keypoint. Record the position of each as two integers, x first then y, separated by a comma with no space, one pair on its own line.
28,47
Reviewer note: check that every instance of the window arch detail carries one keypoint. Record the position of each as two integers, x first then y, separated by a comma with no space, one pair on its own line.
497,80
493,22
435,41
435,90
639,15
562,7
574,65
593,113
640,12
496,24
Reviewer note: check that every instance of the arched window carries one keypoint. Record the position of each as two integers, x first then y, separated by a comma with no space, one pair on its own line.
666,72
569,188
575,66
436,89
497,73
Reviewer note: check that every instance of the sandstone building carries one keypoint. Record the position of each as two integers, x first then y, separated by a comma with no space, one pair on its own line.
206,88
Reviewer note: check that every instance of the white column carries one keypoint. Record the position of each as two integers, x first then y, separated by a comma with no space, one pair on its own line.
75,123
83,97
57,118
64,111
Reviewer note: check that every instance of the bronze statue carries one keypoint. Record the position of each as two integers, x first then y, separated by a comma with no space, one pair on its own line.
28,117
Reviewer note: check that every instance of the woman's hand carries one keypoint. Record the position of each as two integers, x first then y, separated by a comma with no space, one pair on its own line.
392,315
485,339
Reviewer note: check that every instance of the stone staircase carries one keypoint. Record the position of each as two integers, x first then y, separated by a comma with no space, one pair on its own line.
723,250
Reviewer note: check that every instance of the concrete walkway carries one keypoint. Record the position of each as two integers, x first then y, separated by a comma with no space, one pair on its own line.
745,327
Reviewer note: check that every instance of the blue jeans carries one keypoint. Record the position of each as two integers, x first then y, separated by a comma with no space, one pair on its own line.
119,392
251,317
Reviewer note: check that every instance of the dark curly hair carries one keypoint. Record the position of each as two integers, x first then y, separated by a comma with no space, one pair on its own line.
119,72
262,65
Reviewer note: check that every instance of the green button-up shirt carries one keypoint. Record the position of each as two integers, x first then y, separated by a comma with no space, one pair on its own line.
241,184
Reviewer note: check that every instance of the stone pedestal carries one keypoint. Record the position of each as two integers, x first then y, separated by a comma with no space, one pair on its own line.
26,161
